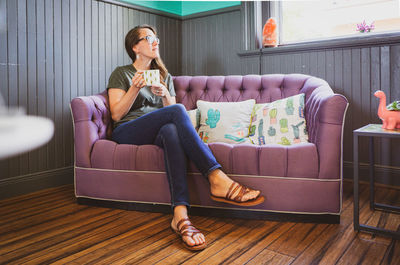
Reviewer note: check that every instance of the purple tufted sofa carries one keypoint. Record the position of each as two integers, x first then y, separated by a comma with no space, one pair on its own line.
302,182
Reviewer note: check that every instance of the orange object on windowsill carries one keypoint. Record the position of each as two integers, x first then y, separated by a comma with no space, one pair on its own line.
270,35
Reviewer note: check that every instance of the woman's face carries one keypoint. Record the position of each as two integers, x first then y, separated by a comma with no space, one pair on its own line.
144,48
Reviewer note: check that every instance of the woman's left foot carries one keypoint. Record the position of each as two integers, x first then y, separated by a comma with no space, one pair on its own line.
191,237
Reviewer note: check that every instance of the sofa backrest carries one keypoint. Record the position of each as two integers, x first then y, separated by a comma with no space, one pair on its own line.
262,88
92,118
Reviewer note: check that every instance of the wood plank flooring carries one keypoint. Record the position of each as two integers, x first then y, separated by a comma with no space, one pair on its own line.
48,227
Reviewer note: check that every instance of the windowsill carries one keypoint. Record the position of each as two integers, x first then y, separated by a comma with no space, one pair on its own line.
366,40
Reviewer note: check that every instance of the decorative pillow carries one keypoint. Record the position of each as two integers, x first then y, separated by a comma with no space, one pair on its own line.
194,116
279,122
226,122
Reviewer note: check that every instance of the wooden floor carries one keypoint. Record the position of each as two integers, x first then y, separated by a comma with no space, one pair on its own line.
49,227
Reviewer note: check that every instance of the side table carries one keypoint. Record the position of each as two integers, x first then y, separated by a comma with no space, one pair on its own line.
372,131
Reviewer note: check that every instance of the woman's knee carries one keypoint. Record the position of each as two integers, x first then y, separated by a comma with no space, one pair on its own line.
169,130
178,108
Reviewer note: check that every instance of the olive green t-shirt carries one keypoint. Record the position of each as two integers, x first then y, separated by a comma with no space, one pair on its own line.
145,101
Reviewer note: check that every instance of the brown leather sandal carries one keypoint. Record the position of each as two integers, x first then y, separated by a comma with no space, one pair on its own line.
238,199
188,230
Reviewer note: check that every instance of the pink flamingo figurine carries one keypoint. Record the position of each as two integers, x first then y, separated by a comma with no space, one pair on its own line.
390,118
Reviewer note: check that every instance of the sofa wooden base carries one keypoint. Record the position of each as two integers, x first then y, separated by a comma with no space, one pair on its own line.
216,212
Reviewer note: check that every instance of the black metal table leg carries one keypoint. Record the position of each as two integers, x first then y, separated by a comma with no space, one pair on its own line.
355,168
371,173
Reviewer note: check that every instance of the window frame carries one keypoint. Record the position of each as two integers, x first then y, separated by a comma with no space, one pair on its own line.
252,21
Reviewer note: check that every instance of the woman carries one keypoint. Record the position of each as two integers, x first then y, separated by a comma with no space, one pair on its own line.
150,115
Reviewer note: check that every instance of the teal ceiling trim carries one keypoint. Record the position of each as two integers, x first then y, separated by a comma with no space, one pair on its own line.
173,7
193,7
184,8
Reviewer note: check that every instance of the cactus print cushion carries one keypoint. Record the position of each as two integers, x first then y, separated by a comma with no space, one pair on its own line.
279,122
226,122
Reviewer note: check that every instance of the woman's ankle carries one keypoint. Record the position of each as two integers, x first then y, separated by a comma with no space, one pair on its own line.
218,178
180,212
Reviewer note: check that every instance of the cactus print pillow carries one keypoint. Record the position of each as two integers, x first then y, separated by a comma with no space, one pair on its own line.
279,122
226,122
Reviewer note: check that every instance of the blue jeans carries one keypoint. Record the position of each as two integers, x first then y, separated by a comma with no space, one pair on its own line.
171,129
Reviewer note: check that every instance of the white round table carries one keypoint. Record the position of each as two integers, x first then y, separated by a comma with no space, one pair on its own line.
22,133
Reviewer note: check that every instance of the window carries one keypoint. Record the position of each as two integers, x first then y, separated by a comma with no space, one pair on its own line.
313,20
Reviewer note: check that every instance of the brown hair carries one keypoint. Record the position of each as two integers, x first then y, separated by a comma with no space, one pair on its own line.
132,38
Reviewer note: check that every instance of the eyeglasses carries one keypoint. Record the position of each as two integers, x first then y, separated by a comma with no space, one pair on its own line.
150,39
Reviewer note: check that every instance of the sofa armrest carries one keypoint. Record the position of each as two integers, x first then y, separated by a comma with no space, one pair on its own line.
325,113
92,121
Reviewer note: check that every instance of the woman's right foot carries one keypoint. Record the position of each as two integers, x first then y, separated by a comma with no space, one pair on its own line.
224,189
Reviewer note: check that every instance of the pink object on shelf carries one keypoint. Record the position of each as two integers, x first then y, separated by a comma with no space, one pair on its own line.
390,118
270,33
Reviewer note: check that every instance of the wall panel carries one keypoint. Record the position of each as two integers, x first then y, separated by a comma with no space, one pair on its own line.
54,50
22,71
3,70
210,45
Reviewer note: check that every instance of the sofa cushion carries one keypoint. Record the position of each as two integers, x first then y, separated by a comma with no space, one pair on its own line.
279,122
226,122
110,155
299,161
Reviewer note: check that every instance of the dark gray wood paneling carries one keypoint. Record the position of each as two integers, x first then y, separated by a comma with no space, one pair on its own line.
66,77
385,70
87,27
298,67
375,85
329,67
80,16
22,72
107,39
41,75
113,36
338,72
32,106
395,95
125,31
3,68
355,90
347,141
102,48
54,50
120,36
210,45
95,45
58,85
12,33
250,65
49,36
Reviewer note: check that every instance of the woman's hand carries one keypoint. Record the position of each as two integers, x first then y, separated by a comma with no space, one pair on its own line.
138,80
159,90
